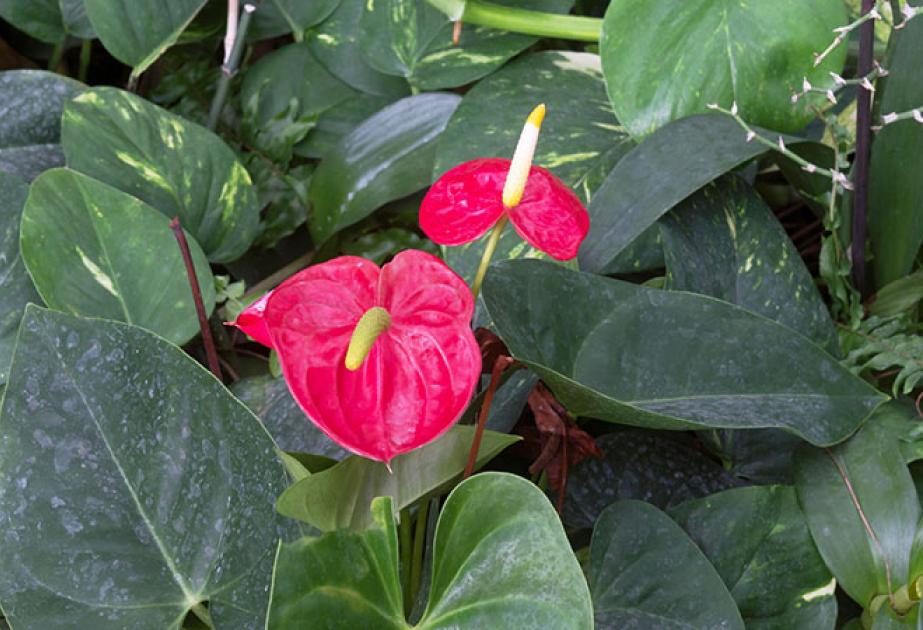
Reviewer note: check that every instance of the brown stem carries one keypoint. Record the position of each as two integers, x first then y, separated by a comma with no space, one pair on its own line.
500,365
863,149
456,32
564,466
210,352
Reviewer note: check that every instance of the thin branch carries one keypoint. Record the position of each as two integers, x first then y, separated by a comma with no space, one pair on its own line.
500,365
210,352
870,11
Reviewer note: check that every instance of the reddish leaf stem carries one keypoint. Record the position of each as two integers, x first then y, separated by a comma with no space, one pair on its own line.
500,365
210,352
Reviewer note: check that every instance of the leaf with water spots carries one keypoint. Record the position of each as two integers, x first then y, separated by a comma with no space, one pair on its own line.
581,139
500,560
172,164
137,33
50,21
666,359
93,250
670,59
15,284
135,487
31,104
413,40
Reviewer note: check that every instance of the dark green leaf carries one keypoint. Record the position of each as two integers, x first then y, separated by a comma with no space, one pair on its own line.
413,40
381,245
656,469
292,73
134,486
757,455
338,121
137,33
501,559
31,103
580,142
337,498
666,60
868,470
660,359
271,401
896,191
725,242
645,572
336,45
172,164
759,542
93,250
278,17
901,420
15,284
667,167
898,296
48,20
387,157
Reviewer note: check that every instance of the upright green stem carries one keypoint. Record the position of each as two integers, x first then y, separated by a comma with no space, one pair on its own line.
538,23
56,54
489,250
86,52
229,68
419,544
404,544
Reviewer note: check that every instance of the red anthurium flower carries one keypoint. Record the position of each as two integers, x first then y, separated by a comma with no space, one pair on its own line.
471,198
382,360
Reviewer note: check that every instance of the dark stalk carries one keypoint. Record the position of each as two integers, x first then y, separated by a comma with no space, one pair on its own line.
500,365
230,66
210,352
863,150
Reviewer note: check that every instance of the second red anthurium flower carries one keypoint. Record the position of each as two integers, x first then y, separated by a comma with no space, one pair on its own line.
383,360
471,198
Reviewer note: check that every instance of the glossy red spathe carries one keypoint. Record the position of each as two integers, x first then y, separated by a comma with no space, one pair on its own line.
467,201
420,373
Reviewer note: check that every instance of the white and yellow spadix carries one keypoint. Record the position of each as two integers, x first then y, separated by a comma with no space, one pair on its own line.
522,159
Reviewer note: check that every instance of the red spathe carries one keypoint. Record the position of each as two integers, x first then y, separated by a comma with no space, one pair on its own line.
421,372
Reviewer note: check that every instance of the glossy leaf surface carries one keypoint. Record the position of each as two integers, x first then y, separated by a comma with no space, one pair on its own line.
869,472
114,524
50,21
758,540
137,33
670,360
93,250
388,156
278,17
717,51
15,284
31,103
172,164
645,572
337,497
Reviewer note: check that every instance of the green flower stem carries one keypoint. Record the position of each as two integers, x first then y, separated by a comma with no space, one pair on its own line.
489,250
229,69
56,54
406,549
86,52
516,20
419,544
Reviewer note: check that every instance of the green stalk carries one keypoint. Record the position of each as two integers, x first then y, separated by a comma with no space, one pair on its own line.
419,540
86,51
537,23
489,250
229,69
406,549
56,54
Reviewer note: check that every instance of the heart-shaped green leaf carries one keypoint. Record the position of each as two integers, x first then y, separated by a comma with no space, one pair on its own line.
271,401
336,45
388,156
137,33
658,469
500,559
412,39
336,122
645,572
868,552
135,488
278,17
660,359
717,51
51,21
172,164
725,242
93,250
31,103
657,174
759,542
337,497
15,284
895,191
